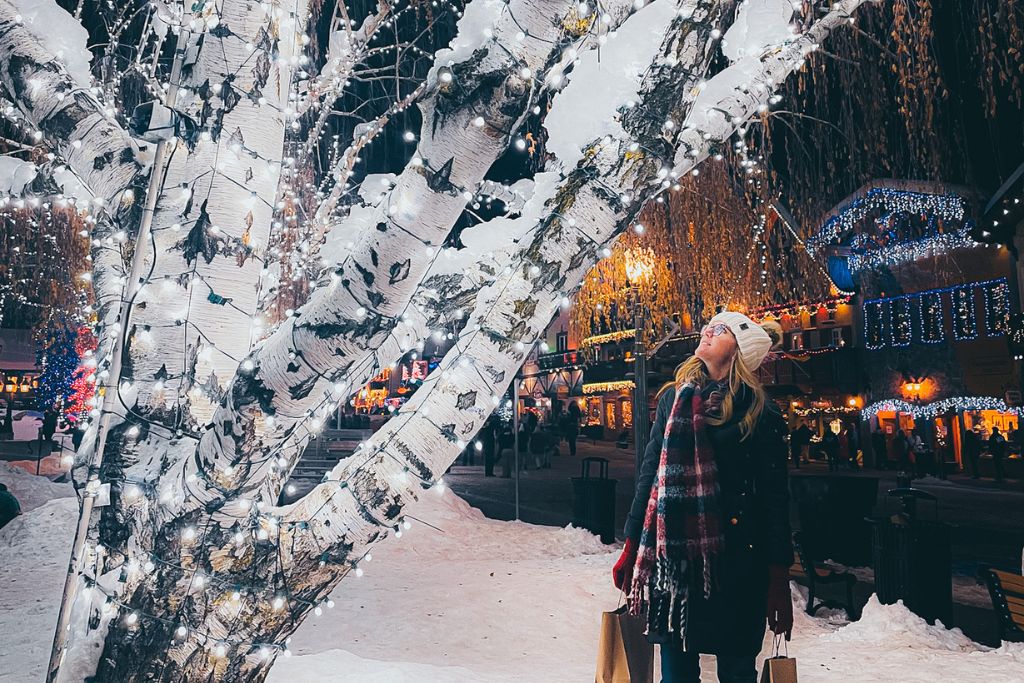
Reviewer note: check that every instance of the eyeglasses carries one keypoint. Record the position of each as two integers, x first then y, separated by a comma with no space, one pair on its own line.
714,330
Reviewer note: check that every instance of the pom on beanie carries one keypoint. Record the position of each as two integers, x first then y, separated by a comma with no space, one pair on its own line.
774,331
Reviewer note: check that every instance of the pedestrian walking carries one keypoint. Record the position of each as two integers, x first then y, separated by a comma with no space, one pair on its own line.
853,434
901,449
707,555
915,450
571,426
530,421
524,445
972,449
487,440
49,427
830,444
844,446
803,440
542,443
880,448
506,442
797,440
997,449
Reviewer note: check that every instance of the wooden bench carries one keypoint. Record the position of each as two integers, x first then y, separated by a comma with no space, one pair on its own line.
1007,591
807,569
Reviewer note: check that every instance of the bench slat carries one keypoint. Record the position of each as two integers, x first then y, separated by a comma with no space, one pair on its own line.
1013,583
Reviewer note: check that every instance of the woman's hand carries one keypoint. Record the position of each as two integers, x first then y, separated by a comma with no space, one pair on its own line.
780,603
622,572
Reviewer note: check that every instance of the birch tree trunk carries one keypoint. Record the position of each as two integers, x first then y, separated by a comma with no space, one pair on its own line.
307,548
367,494
193,316
204,578
360,319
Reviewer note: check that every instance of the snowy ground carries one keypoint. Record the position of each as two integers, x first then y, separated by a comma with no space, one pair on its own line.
480,600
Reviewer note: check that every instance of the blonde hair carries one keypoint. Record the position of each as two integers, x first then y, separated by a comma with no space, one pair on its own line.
694,371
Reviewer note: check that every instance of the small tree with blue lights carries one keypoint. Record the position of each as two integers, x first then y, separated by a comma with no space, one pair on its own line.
58,359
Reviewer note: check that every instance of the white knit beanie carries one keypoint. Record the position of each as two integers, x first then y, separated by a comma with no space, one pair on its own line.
753,341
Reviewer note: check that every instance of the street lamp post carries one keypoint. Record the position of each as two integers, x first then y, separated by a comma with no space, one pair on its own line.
639,268
7,428
640,429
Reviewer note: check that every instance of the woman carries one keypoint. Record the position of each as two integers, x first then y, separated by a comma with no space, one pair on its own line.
708,546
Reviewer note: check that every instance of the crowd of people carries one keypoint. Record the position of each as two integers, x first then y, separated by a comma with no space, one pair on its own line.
538,440
907,450
840,449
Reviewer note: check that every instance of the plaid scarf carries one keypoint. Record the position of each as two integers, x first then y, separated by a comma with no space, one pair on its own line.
682,523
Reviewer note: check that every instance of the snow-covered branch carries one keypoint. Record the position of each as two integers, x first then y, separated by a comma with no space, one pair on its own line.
478,93
347,47
617,175
210,573
94,153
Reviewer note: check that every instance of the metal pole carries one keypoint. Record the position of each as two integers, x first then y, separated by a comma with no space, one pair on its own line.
515,429
640,429
92,485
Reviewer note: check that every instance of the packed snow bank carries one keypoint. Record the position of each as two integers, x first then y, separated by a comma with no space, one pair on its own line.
481,600
891,643
30,490
34,551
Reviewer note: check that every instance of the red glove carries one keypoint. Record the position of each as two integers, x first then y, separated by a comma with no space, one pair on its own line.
780,603
622,572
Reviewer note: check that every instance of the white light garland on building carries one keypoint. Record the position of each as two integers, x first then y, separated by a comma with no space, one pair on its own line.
936,408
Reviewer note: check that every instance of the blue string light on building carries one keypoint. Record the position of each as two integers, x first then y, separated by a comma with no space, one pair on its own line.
965,320
929,313
887,321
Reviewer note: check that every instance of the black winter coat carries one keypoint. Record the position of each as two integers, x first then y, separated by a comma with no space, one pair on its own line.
754,504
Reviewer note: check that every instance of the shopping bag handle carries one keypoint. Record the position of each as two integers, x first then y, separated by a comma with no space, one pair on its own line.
779,643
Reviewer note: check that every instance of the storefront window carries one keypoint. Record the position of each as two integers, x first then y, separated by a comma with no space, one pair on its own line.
627,413
987,419
609,415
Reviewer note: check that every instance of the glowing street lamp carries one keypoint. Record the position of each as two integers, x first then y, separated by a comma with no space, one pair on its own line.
639,264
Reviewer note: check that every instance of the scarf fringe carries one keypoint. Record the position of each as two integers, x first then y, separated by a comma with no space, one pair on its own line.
662,598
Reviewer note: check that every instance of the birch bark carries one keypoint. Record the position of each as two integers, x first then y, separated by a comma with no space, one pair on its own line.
218,576
360,314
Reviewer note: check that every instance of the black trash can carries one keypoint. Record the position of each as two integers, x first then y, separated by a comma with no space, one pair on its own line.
913,559
593,500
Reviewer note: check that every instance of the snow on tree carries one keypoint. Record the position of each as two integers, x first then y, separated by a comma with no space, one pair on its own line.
192,571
